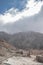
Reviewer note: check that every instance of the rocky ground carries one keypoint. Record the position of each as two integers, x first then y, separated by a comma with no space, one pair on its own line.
17,60
9,55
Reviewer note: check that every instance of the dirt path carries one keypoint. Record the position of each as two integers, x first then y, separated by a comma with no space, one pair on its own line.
21,61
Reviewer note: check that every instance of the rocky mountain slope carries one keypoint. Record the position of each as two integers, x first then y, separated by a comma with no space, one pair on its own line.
24,40
5,48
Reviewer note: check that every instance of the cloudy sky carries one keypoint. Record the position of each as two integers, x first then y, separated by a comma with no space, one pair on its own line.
21,15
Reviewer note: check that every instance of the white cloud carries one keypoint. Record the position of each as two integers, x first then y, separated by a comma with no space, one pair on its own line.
13,15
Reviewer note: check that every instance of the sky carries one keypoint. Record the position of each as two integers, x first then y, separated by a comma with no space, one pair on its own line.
13,11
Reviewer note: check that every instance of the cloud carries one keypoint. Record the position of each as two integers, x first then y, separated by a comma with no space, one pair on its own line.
13,15
33,23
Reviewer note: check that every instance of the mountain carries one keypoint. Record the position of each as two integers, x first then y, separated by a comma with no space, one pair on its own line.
24,40
5,36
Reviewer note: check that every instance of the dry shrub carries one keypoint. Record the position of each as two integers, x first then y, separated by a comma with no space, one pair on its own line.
0,62
28,55
1,54
39,59
19,52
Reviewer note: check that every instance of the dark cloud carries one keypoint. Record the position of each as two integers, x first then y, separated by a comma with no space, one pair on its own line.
38,0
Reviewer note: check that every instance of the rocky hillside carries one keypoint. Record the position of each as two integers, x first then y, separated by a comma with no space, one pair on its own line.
24,40
5,48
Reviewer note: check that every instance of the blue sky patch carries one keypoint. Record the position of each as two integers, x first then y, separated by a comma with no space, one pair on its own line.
7,4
